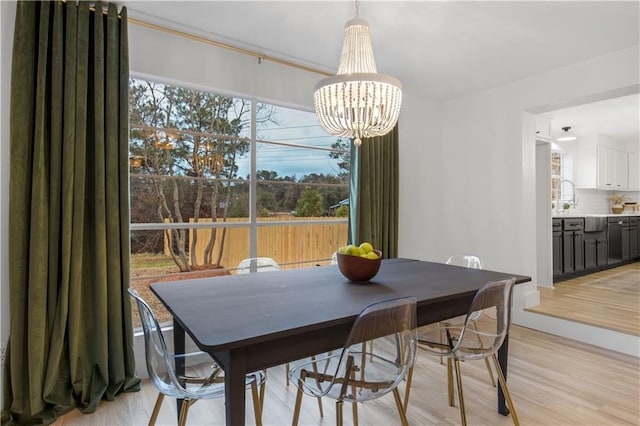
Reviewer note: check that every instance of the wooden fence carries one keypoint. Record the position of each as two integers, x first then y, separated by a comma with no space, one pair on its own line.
283,243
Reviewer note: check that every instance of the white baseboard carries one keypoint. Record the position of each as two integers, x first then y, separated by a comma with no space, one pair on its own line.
608,339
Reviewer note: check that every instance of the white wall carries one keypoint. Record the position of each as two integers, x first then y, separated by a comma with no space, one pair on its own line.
420,133
484,172
201,65
544,256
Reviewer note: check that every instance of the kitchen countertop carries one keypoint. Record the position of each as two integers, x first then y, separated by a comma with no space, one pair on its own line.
576,215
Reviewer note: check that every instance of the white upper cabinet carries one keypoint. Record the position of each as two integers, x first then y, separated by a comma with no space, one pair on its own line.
612,169
602,162
634,171
543,128
604,179
622,170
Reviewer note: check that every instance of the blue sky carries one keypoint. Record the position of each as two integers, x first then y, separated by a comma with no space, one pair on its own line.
294,127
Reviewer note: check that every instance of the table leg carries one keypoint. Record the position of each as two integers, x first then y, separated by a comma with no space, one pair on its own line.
503,354
234,391
178,348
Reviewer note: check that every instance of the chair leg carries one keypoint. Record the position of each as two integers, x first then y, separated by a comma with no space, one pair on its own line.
488,364
505,389
407,389
442,337
263,388
452,402
486,360
287,372
339,421
352,376
463,416
315,370
184,412
401,409
257,405
296,411
156,409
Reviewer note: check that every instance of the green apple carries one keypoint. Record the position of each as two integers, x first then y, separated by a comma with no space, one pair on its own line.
342,250
366,247
371,255
352,250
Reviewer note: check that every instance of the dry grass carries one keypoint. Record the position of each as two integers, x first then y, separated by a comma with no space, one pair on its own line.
160,268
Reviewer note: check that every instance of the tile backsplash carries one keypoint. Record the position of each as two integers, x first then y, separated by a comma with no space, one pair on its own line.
594,201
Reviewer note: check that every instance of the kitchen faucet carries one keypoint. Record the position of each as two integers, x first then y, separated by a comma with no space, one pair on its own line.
574,203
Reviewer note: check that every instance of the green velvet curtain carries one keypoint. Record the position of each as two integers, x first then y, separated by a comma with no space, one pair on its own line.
373,199
71,336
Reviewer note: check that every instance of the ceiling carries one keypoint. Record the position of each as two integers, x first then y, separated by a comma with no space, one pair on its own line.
439,50
618,118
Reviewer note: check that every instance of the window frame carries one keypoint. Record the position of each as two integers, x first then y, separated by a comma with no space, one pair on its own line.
252,224
566,163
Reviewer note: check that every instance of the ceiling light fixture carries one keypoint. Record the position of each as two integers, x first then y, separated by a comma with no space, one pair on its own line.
358,102
566,135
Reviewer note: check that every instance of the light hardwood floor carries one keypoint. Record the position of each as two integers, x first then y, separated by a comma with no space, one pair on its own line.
553,381
605,308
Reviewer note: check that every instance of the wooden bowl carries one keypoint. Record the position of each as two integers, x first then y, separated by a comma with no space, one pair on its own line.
359,269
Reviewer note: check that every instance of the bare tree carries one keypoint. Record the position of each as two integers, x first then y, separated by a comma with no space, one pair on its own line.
188,143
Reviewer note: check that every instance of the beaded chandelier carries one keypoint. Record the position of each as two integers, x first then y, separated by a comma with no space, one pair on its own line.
358,102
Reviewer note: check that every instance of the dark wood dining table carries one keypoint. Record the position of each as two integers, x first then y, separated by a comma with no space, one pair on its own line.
249,322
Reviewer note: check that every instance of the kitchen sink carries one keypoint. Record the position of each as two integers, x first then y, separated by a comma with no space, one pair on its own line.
595,224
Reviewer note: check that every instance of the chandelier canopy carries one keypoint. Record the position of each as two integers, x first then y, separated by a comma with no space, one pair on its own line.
358,102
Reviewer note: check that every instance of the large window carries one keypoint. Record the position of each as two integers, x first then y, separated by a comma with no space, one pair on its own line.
216,179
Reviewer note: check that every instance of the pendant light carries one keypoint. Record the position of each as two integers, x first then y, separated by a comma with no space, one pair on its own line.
358,102
566,135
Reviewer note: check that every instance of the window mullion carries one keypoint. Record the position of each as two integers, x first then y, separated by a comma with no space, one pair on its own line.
253,192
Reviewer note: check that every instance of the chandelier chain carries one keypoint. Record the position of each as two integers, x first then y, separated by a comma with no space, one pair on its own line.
357,8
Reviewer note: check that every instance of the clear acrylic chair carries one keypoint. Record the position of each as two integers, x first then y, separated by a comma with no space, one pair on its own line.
257,264
471,340
357,375
466,260
473,262
161,369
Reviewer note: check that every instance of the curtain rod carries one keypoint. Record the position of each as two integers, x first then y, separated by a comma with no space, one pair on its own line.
236,49
210,42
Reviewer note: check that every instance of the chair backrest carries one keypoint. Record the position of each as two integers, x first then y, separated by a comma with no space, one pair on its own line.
466,260
391,324
487,335
257,264
159,361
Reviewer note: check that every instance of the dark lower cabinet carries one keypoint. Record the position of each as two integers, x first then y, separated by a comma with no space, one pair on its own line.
595,250
633,238
557,247
572,245
618,233
585,245
572,251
